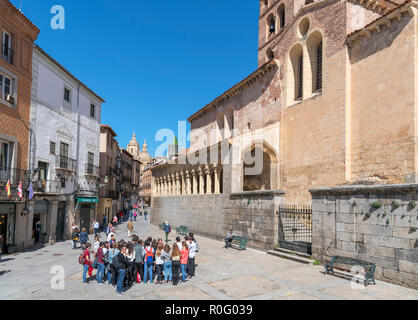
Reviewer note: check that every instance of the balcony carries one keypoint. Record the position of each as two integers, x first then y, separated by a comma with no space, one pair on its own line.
46,186
92,170
65,163
13,175
111,194
7,54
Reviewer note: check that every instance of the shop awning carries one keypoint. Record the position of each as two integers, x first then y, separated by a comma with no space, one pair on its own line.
88,200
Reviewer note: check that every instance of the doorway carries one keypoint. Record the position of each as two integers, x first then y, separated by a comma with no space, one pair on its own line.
36,227
85,216
61,220
3,230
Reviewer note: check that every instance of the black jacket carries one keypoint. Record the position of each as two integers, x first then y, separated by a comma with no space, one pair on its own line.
121,261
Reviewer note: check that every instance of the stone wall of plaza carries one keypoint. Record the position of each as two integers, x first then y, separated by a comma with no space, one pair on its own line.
373,223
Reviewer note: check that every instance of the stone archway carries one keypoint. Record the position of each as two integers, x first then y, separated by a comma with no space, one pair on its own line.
259,167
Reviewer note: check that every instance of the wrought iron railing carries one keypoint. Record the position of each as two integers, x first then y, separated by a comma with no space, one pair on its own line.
7,54
13,175
47,186
92,170
65,163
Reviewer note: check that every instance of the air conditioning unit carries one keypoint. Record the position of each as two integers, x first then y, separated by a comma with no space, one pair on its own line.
10,98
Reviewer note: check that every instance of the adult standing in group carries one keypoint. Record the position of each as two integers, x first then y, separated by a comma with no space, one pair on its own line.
175,260
122,265
192,256
87,263
148,261
100,263
112,276
167,264
139,258
130,227
183,260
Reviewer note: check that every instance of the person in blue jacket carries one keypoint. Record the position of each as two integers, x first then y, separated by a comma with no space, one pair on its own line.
167,230
84,238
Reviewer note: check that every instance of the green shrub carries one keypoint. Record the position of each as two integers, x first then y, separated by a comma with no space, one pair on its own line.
412,204
316,263
376,205
387,221
354,203
412,230
368,214
395,204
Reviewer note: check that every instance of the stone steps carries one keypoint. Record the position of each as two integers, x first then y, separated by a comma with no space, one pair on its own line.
291,255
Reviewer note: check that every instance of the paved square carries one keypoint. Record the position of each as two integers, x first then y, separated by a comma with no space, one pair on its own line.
220,274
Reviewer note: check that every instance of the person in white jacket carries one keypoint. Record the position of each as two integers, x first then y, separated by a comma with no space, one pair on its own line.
192,256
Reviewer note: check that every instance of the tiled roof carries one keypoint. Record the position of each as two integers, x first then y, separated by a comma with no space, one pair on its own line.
23,16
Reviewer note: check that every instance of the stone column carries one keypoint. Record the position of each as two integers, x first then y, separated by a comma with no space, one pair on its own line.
165,183
170,189
183,183
217,182
178,191
194,177
201,181
208,172
189,182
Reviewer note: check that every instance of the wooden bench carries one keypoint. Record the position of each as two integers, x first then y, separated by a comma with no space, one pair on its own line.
239,242
369,268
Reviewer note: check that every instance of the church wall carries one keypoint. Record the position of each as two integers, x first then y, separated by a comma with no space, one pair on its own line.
384,102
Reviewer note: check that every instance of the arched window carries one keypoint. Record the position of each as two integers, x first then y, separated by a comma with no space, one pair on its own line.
295,80
281,14
271,23
314,46
270,54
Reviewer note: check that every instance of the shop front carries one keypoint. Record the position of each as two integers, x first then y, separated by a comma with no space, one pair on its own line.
7,226
87,207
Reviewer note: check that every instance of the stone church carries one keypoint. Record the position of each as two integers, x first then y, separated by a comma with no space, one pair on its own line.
332,103
141,155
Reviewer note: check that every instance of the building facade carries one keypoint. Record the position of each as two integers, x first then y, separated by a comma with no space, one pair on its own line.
109,192
65,152
18,35
331,104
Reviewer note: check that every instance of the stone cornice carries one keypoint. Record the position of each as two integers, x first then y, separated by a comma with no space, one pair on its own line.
256,75
258,193
386,20
361,189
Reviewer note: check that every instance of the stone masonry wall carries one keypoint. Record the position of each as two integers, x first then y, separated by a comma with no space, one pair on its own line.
249,214
373,223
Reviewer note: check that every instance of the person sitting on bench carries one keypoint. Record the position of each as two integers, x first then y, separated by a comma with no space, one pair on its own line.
228,239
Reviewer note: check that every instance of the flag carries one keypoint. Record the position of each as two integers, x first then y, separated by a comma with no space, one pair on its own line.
9,195
19,190
30,191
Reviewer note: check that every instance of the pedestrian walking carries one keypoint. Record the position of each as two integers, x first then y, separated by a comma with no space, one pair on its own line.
84,238
75,238
183,260
130,227
145,214
175,259
95,227
135,214
96,244
131,215
167,230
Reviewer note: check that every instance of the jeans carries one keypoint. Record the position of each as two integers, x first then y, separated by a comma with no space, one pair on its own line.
167,271
175,271
135,218
121,277
109,273
159,272
145,217
100,272
95,231
228,242
148,266
183,268
85,269
166,236
191,267
74,244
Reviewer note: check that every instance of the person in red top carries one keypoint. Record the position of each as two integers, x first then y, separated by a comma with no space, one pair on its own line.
100,263
87,264
183,260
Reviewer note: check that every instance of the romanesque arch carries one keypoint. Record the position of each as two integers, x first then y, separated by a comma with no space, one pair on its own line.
260,167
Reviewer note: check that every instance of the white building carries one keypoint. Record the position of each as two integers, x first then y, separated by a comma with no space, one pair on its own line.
64,148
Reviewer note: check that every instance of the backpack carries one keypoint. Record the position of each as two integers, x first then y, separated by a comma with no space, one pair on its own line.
82,259
149,257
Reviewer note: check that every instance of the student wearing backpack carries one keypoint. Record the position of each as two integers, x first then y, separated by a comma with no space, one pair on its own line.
148,261
86,262
112,276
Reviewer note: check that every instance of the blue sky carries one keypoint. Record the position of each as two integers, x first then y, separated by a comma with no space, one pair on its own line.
154,62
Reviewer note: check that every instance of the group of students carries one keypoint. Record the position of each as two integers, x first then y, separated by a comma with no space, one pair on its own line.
136,261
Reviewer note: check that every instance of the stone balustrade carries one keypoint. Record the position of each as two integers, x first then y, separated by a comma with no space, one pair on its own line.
178,181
